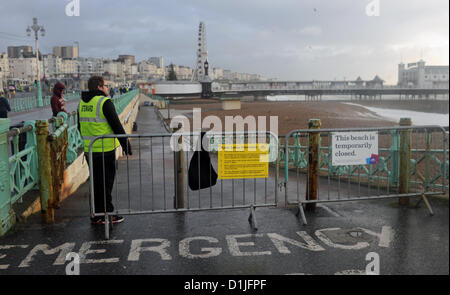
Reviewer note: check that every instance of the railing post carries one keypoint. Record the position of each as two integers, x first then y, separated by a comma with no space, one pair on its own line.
59,146
394,150
167,105
39,94
405,160
7,216
45,173
313,163
427,161
179,171
296,151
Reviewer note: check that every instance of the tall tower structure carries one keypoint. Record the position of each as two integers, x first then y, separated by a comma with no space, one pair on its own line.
202,55
421,73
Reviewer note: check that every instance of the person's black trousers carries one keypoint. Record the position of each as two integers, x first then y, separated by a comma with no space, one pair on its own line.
103,183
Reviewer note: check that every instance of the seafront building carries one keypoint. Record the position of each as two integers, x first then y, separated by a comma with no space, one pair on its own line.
158,61
417,74
19,51
4,71
66,51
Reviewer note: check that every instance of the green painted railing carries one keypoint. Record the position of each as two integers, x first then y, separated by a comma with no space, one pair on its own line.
156,97
20,104
23,163
122,101
74,137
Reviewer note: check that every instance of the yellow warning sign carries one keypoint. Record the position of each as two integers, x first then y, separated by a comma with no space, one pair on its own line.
244,161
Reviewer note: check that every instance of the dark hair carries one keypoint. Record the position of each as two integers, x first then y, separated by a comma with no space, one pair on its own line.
94,82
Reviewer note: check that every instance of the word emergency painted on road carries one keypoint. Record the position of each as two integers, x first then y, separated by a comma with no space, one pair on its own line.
237,161
354,148
238,245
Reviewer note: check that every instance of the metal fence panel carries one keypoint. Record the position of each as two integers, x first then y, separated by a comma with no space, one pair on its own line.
150,183
427,167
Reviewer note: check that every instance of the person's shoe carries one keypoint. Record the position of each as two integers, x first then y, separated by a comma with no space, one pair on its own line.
97,220
115,219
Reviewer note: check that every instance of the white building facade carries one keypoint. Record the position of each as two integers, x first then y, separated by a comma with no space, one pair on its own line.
419,75
89,66
158,61
149,70
24,69
52,66
68,67
217,73
4,71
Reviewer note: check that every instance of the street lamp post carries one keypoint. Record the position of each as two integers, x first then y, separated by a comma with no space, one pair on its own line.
36,28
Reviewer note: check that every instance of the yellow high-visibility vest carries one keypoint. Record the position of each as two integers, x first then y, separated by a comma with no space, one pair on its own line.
93,123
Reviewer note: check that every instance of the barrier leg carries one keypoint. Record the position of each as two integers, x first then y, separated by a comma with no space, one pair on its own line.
106,226
252,218
405,161
425,200
301,212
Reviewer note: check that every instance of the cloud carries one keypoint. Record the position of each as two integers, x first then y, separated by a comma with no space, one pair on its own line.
287,39
309,31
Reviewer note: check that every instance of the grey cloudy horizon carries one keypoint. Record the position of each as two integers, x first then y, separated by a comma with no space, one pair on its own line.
286,39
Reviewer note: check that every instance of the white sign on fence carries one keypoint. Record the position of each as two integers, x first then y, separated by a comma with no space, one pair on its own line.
354,148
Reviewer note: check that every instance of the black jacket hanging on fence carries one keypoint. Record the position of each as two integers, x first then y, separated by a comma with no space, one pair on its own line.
201,173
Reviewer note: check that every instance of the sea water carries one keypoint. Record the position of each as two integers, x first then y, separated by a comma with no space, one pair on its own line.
418,118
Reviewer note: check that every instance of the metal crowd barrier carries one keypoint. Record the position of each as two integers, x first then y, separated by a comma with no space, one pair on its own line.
412,162
156,177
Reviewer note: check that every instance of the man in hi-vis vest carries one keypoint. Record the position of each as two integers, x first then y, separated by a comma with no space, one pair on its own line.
97,116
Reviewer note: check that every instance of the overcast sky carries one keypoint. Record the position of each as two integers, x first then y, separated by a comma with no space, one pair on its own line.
284,39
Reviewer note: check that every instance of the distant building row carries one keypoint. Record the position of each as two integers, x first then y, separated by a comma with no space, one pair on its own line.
64,62
27,51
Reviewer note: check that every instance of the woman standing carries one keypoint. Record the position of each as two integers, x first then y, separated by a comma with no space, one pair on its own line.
57,101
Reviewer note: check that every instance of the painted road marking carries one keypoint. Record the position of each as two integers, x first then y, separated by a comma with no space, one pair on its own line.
136,248
279,241
7,247
385,237
234,245
329,210
184,248
86,249
238,246
327,241
64,249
